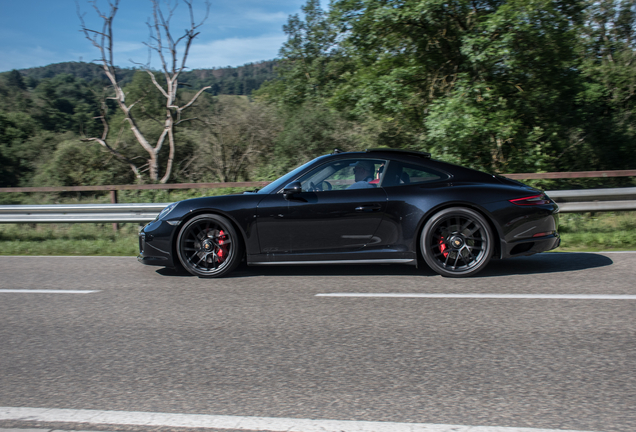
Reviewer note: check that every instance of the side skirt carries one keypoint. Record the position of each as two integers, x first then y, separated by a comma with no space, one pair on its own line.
362,261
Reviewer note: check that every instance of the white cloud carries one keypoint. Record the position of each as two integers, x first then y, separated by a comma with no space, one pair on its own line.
235,51
29,57
128,47
265,17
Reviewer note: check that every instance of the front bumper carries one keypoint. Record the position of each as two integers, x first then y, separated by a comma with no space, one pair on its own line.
155,244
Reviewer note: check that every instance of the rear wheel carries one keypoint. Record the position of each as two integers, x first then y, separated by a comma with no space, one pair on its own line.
457,242
208,246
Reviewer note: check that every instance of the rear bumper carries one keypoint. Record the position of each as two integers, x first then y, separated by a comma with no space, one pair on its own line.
530,246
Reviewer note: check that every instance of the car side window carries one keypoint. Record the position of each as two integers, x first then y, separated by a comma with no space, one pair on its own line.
399,173
344,174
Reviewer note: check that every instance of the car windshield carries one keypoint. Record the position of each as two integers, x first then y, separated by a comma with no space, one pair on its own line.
278,184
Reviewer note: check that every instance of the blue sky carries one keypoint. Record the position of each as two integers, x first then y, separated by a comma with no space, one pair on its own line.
40,32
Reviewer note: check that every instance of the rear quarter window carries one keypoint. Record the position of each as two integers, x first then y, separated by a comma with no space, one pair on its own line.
400,173
418,175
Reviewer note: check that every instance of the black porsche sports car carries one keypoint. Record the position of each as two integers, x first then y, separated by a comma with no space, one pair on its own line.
375,206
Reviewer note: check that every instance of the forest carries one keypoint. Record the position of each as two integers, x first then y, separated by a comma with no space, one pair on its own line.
500,86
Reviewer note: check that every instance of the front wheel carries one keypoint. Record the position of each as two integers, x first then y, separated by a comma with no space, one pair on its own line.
208,246
457,242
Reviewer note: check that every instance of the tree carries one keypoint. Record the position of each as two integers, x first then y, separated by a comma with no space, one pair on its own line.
15,79
66,103
312,64
163,43
233,134
513,107
73,163
608,65
498,85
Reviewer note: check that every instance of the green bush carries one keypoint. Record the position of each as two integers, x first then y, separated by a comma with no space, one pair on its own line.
598,231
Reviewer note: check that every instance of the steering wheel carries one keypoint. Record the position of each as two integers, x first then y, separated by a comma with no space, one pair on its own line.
322,186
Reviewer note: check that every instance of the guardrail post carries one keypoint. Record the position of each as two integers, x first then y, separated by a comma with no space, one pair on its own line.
113,200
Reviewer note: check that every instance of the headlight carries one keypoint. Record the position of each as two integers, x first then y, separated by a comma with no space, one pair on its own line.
165,211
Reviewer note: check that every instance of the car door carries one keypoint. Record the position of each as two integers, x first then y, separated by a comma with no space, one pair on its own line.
327,214
336,220
272,217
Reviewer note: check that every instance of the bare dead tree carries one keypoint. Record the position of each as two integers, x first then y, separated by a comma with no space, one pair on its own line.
103,140
173,63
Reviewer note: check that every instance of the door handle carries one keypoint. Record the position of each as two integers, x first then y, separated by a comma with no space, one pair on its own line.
368,208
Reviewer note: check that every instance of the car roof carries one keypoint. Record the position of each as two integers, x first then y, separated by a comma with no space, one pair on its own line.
389,151
399,151
459,172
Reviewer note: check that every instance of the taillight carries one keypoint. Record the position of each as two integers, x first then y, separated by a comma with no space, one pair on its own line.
532,200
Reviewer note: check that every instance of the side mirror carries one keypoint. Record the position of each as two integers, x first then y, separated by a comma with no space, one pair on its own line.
292,188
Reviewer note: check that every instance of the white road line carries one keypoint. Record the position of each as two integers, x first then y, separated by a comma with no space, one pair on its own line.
489,296
41,291
238,423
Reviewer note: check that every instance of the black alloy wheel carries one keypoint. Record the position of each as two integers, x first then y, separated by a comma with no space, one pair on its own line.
457,242
208,246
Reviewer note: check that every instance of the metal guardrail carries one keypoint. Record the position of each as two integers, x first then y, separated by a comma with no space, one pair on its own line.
570,201
596,206
595,200
586,195
80,213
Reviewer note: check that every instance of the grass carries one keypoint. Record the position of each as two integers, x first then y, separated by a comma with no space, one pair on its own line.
608,231
68,239
579,232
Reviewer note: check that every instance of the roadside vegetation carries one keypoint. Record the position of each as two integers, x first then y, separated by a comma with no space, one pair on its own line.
504,87
579,232
598,232
69,239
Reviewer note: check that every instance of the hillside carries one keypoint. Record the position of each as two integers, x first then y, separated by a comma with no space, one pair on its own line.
45,111
241,80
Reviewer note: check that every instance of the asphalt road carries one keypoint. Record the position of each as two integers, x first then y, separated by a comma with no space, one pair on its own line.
261,343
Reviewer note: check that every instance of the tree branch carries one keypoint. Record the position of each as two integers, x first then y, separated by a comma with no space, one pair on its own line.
194,98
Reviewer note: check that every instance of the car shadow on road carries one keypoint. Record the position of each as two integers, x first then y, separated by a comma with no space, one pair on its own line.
535,264
552,262
315,270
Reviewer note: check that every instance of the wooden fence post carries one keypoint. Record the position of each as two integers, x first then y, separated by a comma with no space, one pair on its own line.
113,200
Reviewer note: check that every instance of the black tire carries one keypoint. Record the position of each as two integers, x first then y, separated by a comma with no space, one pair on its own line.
457,242
208,246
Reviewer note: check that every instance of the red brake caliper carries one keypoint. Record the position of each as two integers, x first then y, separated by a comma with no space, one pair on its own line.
222,252
442,247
